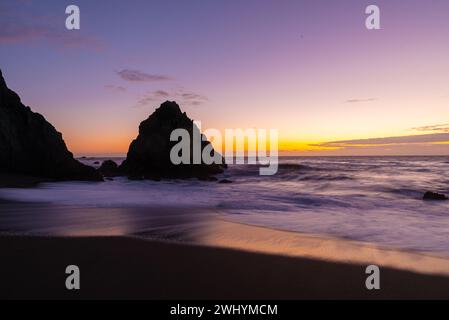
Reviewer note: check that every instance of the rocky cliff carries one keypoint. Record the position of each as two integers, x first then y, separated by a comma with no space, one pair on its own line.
29,145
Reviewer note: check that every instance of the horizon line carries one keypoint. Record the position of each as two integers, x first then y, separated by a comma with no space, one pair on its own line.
124,155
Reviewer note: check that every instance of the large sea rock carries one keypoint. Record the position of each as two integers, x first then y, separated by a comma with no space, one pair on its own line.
30,145
149,154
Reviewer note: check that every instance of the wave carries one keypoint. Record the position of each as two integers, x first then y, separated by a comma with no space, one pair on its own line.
296,166
368,199
407,192
325,177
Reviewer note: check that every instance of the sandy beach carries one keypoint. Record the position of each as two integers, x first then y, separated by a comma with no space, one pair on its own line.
174,253
123,267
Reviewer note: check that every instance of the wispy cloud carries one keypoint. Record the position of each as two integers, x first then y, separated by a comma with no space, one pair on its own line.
140,76
180,95
22,26
360,100
11,34
152,97
193,98
444,128
423,138
115,88
161,94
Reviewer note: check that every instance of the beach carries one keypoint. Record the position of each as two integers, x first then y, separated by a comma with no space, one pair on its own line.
309,233
129,268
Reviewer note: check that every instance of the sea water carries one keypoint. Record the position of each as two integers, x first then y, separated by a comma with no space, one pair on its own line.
371,199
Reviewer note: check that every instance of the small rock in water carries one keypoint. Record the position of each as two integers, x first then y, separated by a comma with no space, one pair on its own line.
225,181
109,169
434,196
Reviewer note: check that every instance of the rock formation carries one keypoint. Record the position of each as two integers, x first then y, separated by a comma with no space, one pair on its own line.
29,145
109,169
434,196
149,154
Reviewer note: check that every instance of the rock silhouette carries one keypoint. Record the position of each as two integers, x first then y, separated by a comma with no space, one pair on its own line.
434,196
109,169
149,154
29,145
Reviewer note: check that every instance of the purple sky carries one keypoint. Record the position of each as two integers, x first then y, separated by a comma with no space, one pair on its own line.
308,68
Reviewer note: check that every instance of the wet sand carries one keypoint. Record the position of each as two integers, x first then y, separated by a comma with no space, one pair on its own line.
185,253
123,267
227,234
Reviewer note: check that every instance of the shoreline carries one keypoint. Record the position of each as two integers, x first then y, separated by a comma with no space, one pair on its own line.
266,240
206,227
182,253
131,268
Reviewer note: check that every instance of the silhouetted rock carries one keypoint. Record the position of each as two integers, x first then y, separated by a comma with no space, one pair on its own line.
149,154
434,196
97,162
225,181
30,145
14,180
109,169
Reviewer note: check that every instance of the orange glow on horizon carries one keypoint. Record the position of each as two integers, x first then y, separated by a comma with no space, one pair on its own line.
99,145
120,145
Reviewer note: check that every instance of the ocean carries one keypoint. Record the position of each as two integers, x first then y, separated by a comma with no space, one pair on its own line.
377,200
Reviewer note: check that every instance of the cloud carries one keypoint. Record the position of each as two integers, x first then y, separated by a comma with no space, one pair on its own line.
12,34
161,94
412,139
191,98
181,95
24,26
152,97
360,100
139,76
115,88
443,128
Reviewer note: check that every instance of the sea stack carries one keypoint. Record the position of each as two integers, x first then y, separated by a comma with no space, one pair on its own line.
149,154
29,145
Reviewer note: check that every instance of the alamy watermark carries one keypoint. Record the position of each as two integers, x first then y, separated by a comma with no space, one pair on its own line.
72,282
373,280
73,19
250,146
372,22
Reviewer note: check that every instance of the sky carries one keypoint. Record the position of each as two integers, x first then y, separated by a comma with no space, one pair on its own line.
309,68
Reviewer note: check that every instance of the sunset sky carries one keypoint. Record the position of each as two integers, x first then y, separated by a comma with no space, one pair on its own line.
308,68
